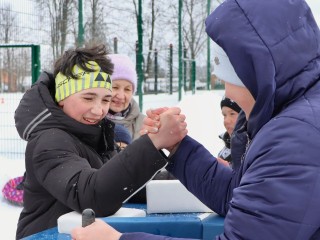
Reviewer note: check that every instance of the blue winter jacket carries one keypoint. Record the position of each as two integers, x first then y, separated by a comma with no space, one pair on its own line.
274,192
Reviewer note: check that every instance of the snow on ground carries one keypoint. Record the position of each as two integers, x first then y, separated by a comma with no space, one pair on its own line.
204,121
10,168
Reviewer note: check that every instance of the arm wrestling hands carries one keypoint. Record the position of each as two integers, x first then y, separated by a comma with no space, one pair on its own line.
166,127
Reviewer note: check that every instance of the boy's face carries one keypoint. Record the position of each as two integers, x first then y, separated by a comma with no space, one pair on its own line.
88,106
229,118
122,92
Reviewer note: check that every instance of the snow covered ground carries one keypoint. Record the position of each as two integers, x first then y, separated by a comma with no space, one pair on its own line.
204,120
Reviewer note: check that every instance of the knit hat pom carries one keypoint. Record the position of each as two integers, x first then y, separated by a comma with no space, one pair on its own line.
124,69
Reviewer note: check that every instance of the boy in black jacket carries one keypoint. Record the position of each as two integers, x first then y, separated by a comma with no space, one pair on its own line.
71,162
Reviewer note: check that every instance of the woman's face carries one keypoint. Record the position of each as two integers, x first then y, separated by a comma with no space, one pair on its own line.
229,118
122,92
88,106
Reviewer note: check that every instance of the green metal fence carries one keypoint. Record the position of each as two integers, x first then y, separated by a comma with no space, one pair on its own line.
30,41
19,67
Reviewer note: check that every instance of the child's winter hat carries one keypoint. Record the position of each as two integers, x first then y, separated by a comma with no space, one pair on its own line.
227,102
66,86
122,134
124,69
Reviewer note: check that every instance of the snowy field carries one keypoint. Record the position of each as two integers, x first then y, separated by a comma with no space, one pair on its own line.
204,119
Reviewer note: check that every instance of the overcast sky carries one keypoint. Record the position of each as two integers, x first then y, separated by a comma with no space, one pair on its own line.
314,4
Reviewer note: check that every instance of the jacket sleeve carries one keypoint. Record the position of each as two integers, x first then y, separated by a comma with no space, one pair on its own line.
278,196
202,175
74,182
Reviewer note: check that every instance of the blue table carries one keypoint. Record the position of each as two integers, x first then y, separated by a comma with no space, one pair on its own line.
188,225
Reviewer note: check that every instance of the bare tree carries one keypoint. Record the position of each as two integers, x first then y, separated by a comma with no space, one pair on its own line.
60,12
107,19
21,67
194,31
151,23
7,20
95,25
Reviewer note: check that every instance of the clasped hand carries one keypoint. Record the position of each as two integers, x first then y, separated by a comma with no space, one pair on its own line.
166,127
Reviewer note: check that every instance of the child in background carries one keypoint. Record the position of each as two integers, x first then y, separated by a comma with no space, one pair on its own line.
122,136
230,111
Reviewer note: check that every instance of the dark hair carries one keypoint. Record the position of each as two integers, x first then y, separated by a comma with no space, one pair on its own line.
80,56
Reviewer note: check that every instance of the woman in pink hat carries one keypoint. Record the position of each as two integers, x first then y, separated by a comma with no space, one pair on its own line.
124,109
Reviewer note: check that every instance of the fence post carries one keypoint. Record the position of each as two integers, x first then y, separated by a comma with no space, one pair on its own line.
193,76
156,71
35,58
36,65
140,67
115,45
185,69
180,46
208,52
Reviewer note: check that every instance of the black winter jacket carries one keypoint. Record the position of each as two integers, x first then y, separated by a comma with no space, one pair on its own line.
68,166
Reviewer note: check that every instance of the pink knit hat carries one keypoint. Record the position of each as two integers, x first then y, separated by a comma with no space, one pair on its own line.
124,69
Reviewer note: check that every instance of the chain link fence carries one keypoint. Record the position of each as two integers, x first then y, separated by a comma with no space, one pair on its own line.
28,23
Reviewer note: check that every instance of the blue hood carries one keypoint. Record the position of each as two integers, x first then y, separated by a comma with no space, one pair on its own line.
275,55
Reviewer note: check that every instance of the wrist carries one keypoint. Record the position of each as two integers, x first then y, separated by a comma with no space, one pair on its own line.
154,140
174,149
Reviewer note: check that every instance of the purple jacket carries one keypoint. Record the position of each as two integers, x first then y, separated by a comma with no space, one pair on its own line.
274,191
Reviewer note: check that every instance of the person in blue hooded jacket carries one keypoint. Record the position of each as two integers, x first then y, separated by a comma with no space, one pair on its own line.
273,191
